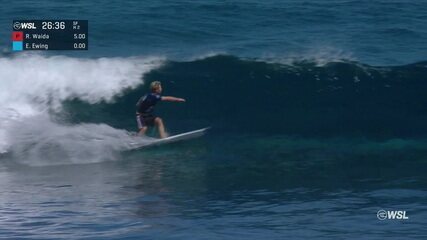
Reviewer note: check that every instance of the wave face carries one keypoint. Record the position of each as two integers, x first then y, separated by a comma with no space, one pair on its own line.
341,98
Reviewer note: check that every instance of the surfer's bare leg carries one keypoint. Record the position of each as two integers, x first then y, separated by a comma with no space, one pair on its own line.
142,131
160,127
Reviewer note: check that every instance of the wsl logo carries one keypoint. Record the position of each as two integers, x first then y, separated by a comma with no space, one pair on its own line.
392,215
24,25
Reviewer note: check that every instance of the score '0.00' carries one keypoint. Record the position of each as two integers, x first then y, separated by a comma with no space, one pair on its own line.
79,45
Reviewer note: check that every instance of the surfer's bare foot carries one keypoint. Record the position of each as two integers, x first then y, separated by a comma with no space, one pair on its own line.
163,134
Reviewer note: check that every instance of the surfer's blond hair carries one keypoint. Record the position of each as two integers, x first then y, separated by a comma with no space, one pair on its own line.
155,85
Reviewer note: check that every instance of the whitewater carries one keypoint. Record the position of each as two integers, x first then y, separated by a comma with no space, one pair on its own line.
33,88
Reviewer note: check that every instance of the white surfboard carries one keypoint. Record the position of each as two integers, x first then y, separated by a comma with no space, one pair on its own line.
174,138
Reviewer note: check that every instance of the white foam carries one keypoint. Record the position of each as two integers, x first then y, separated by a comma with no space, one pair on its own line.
38,141
31,85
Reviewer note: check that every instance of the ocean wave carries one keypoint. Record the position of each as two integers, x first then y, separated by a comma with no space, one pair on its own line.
68,101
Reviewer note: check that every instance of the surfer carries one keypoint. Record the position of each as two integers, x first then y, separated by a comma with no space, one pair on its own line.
145,108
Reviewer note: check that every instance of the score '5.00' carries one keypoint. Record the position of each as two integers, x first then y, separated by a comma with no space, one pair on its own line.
79,36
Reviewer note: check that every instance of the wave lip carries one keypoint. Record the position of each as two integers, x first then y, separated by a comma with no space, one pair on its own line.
50,80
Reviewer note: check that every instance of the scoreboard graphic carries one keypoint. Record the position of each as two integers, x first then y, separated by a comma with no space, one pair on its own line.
50,35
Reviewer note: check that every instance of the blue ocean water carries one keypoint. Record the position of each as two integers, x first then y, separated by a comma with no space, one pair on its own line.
373,32
317,109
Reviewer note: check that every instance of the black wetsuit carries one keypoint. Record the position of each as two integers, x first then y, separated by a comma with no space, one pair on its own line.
145,109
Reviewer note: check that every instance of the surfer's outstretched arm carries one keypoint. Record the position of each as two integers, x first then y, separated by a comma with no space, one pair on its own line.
172,99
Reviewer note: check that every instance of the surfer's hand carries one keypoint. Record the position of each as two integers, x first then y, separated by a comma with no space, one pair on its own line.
181,100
